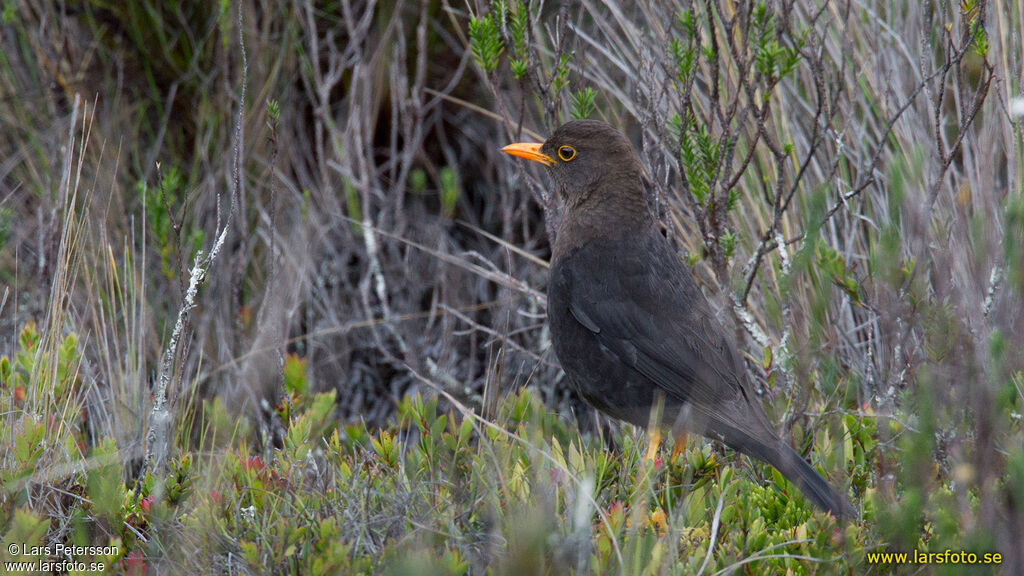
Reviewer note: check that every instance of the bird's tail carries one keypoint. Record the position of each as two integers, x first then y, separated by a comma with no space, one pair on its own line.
773,450
811,483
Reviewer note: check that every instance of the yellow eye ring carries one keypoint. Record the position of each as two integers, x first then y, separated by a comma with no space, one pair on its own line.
566,153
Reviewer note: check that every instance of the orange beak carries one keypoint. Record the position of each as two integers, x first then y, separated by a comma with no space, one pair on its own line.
530,151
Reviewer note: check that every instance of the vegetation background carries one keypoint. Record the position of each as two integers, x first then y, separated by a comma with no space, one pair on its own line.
272,300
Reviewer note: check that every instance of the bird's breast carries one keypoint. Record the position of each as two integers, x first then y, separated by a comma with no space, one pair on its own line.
604,379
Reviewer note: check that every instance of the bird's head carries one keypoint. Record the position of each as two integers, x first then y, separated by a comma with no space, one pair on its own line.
588,160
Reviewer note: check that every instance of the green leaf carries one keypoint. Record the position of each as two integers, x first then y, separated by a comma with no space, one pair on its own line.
6,373
322,407
294,374
106,490
485,43
450,190
353,206
417,181
251,553
465,431
583,103
26,530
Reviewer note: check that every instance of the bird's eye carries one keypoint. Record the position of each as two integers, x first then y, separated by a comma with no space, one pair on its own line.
566,153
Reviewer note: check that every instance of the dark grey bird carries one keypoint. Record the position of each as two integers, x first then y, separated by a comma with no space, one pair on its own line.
629,325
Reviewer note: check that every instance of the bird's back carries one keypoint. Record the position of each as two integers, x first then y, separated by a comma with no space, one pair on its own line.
628,322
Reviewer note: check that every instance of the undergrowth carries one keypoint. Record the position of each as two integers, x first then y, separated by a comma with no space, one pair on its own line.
272,299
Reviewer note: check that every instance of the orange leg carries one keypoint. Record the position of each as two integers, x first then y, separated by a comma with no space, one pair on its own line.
680,446
654,440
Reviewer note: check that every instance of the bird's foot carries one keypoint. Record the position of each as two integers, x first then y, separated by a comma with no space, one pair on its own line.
654,440
680,445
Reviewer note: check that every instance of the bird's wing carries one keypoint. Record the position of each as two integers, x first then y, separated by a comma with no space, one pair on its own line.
657,322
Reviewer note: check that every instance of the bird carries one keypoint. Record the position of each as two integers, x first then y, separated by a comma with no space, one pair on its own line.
630,327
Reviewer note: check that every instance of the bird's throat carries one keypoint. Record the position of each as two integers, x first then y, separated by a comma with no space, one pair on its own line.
620,215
